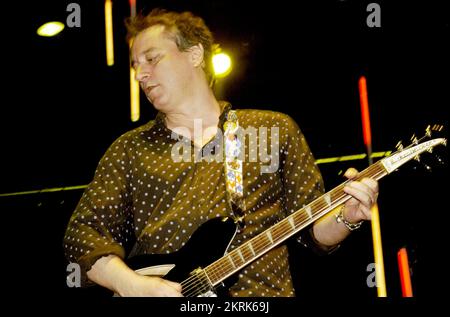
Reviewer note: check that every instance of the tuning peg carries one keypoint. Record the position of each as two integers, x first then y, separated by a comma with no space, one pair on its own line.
399,146
428,131
444,142
417,158
437,127
430,150
414,139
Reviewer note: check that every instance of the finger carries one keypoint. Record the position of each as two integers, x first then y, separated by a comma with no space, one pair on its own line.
367,212
373,184
351,173
352,202
362,196
176,286
362,186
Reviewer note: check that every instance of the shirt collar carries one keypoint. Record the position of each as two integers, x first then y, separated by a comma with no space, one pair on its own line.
225,107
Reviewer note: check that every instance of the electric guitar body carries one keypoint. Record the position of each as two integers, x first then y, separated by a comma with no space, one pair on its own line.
208,243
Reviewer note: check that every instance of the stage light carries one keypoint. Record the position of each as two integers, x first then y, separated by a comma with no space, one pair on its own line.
134,97
109,33
135,108
50,28
405,274
375,223
221,64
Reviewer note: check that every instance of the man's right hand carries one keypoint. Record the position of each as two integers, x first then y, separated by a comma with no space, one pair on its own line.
149,286
111,272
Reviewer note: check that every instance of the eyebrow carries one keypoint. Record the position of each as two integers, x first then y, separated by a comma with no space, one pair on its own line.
148,50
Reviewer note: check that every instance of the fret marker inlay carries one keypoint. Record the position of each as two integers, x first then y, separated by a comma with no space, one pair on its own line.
269,235
240,255
250,246
231,260
291,221
327,199
308,210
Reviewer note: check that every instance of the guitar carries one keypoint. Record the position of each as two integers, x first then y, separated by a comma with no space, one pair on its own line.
204,263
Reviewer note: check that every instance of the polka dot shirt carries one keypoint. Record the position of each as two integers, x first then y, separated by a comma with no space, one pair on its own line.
142,202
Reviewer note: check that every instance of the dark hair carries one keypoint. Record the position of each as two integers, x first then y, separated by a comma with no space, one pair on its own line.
184,28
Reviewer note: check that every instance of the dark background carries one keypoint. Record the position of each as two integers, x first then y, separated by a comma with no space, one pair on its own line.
302,58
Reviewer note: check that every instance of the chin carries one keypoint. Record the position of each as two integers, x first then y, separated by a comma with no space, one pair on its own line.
160,106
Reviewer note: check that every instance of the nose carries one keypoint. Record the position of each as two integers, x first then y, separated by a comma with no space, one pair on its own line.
142,73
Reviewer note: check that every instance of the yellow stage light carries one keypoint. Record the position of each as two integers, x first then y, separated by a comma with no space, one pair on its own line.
109,33
221,64
50,29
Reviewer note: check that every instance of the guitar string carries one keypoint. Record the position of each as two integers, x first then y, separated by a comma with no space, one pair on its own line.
197,290
194,281
192,286
279,232
259,245
192,291
212,270
257,242
281,226
276,232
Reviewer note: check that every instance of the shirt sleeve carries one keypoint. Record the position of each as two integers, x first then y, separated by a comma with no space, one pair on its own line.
102,222
302,179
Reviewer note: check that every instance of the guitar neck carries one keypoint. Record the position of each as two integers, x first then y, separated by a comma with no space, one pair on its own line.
284,229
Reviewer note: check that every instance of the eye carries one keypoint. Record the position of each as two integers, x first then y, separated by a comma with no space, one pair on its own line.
153,59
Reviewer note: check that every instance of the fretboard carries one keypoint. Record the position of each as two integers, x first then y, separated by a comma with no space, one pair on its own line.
284,229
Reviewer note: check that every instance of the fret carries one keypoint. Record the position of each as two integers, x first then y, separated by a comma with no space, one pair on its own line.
261,242
231,261
327,199
240,255
250,246
336,193
217,269
308,211
269,235
238,261
291,222
284,228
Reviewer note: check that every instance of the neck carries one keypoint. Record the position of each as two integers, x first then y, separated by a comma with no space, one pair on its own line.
202,106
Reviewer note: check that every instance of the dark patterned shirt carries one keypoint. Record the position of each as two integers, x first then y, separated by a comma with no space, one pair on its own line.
142,202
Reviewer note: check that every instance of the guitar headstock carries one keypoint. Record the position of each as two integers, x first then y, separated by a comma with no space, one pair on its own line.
415,149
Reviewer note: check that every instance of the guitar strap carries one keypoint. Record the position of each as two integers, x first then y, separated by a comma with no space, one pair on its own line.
233,165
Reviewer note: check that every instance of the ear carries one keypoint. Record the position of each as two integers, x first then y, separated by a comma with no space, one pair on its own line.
197,55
